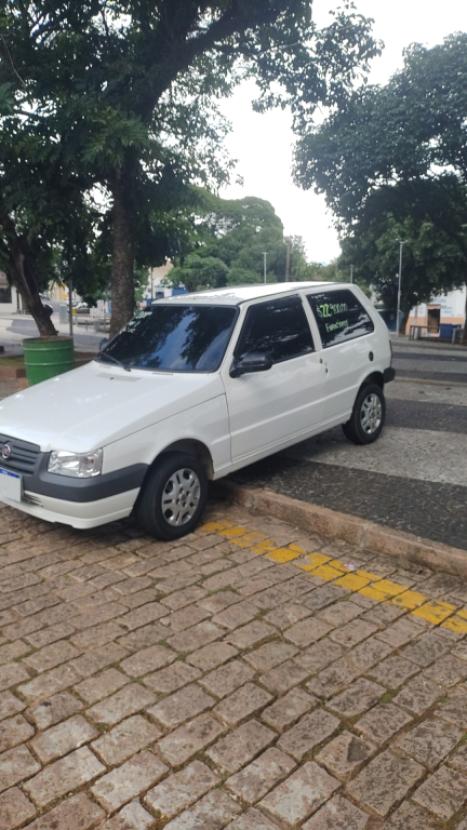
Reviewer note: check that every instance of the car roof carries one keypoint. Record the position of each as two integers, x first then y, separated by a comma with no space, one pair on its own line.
237,294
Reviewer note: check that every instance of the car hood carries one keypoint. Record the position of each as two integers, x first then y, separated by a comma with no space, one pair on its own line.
96,404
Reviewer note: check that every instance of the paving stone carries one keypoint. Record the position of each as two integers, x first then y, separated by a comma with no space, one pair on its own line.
307,631
426,649
184,618
127,701
62,738
76,813
400,632
288,709
193,638
131,817
454,707
179,599
150,612
16,765
443,793
300,794
382,722
340,613
129,780
252,820
345,754
410,816
459,758
418,695
310,731
385,781
254,780
182,705
287,614
10,705
49,683
125,739
213,812
359,696
14,731
338,814
15,809
450,668
353,632
368,653
251,634
63,776
430,741
319,655
54,709
215,603
147,660
183,743
96,659
102,685
12,674
236,615
334,679
211,656
223,680
284,677
393,671
178,791
271,654
237,748
242,703
171,678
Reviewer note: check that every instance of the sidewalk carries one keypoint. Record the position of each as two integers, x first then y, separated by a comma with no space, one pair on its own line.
247,677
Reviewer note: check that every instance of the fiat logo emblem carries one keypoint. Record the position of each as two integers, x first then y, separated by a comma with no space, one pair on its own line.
6,451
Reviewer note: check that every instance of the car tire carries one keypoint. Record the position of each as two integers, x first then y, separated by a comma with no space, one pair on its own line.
173,497
368,415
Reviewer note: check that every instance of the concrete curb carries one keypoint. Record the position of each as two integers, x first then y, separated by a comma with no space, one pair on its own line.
361,533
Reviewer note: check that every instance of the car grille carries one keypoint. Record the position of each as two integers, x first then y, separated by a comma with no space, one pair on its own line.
23,456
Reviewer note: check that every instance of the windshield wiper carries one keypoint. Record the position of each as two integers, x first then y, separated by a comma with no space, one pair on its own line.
114,360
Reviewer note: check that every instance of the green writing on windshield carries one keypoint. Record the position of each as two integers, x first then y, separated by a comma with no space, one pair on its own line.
327,310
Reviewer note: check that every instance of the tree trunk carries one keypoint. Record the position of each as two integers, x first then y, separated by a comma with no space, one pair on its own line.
122,255
464,335
403,324
22,276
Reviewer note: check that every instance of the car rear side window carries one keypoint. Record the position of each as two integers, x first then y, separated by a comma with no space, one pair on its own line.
278,328
340,316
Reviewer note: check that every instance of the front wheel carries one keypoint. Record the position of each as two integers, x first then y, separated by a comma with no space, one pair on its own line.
174,497
368,415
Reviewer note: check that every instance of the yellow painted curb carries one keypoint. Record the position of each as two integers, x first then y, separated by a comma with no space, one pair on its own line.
358,532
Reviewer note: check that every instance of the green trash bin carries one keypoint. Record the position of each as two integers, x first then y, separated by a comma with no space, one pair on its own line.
45,357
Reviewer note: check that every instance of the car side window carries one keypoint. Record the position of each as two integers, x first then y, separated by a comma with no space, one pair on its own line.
278,328
340,316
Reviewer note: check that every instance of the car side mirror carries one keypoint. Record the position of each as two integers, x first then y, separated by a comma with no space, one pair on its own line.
250,362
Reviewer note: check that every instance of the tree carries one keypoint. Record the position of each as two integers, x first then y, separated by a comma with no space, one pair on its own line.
137,84
399,152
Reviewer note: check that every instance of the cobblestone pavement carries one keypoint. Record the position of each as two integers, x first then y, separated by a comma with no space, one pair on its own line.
247,677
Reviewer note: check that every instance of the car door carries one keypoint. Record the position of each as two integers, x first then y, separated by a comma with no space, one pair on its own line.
268,409
347,338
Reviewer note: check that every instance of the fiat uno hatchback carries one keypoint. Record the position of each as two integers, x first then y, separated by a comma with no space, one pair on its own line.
198,386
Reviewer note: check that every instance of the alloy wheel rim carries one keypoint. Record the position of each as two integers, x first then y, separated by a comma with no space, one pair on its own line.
181,497
371,413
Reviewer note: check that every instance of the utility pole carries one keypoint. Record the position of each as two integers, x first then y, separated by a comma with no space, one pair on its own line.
265,266
401,246
351,273
70,305
287,260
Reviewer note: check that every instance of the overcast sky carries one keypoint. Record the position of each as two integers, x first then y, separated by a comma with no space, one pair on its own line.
263,143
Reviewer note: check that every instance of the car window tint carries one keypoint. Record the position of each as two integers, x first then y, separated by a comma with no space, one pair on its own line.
175,338
278,328
340,316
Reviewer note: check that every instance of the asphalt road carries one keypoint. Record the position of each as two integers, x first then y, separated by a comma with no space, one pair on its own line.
84,339
414,478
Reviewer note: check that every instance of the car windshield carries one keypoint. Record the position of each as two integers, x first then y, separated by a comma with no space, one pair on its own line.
174,338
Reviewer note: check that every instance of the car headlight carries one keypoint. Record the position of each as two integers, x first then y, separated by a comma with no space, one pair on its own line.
77,464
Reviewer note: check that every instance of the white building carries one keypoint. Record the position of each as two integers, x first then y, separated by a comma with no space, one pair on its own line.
443,310
10,300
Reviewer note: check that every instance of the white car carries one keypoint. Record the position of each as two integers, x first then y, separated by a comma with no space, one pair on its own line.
199,386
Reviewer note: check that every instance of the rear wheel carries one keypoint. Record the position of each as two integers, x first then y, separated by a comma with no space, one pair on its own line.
367,420
174,497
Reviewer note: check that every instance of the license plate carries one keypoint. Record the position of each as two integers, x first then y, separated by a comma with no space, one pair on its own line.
11,485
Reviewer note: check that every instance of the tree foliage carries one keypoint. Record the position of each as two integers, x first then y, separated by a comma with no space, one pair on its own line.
130,93
393,165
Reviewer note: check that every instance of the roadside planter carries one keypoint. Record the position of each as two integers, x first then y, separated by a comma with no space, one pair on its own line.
45,357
